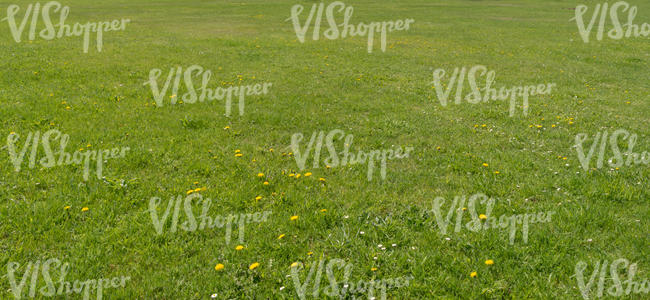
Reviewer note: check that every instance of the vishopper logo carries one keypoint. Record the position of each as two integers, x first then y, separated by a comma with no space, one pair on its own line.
457,79
618,31
600,142
49,161
340,288
47,268
174,79
618,287
316,144
346,29
476,224
206,221
33,11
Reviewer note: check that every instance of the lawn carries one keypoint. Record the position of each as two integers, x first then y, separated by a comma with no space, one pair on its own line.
169,158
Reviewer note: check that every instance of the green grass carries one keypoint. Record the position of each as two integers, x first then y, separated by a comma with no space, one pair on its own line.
315,88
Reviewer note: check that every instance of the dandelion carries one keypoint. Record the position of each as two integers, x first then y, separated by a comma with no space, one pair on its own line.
237,151
219,267
373,269
293,218
323,210
464,208
489,262
238,155
321,179
253,266
496,172
240,247
291,175
281,236
328,167
485,165
84,209
66,207
258,198
271,150
307,174
484,125
438,148
295,264
266,183
473,274
226,128
310,253
260,174
298,175
482,217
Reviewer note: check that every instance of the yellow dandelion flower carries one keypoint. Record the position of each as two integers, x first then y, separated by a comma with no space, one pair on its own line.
271,150
240,247
258,198
67,207
266,183
321,179
295,264
323,210
553,125
298,175
253,266
464,208
307,174
291,175
484,125
67,107
373,269
219,267
84,209
328,167
482,217
485,165
473,274
496,172
281,236
189,192
260,174
196,182
310,253
226,128
489,262
293,218
438,148
475,125
237,151
238,155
